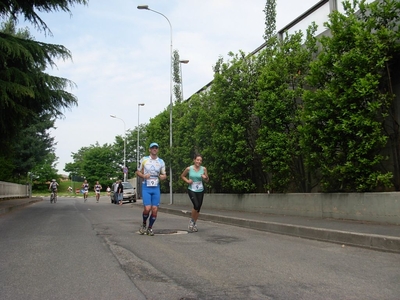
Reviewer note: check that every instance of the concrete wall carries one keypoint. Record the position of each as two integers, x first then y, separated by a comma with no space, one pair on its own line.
374,207
13,190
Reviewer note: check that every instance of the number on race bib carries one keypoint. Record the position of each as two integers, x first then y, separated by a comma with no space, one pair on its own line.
152,182
197,186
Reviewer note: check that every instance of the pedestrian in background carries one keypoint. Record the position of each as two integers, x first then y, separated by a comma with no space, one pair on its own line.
108,191
120,192
115,189
152,169
194,176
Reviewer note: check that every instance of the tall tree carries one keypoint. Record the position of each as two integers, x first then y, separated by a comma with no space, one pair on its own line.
26,90
33,145
27,93
176,76
270,20
28,9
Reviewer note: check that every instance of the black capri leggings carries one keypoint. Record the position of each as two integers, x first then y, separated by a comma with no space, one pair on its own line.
197,199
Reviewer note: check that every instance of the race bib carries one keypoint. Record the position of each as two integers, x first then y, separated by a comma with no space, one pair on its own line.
152,182
197,186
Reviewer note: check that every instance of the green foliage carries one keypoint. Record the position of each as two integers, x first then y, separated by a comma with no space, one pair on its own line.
270,20
104,163
26,116
33,146
26,91
194,123
158,130
176,77
6,167
286,119
96,163
27,9
131,148
281,83
343,136
42,189
45,171
234,92
30,99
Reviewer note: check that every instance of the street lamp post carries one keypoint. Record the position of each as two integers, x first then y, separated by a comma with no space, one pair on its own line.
124,169
183,61
138,187
146,7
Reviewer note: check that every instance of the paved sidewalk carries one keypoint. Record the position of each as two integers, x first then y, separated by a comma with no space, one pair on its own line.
382,237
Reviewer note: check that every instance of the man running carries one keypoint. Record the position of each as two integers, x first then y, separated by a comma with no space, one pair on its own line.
152,170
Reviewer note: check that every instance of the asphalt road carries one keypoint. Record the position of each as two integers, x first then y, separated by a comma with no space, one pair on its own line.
76,250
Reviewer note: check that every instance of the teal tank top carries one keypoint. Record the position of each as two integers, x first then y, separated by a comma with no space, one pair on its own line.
197,185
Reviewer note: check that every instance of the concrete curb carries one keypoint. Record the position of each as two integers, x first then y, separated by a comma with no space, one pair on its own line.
370,241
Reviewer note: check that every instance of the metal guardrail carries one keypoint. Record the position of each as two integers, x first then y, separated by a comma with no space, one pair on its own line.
13,190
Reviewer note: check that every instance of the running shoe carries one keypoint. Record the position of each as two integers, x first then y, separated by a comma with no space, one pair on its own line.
191,226
195,228
150,231
142,229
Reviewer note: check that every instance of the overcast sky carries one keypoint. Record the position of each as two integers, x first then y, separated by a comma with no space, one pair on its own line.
121,57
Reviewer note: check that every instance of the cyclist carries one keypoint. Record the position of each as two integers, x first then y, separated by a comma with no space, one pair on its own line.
53,188
97,189
85,189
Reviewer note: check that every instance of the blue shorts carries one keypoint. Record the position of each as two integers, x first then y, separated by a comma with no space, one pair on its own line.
151,195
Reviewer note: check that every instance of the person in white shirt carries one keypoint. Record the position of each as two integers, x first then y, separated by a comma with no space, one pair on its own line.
152,169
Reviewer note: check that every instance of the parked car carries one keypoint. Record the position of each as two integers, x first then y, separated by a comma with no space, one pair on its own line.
128,195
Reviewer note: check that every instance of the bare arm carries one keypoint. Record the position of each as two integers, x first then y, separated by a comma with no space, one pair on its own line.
205,175
184,174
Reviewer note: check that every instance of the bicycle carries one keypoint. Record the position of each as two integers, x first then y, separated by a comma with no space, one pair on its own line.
53,196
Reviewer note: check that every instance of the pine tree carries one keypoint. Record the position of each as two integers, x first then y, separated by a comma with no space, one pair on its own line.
27,92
